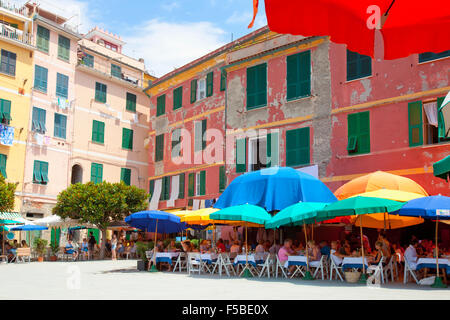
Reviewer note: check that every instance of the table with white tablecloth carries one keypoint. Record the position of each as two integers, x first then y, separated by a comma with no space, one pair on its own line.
166,256
295,261
209,258
354,262
253,259
431,263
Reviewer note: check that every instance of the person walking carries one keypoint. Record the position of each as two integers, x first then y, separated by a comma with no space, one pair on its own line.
113,247
92,243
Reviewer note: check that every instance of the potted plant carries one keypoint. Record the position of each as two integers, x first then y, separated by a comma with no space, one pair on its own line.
141,248
54,247
40,245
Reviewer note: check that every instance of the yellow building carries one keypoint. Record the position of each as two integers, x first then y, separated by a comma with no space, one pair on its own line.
16,80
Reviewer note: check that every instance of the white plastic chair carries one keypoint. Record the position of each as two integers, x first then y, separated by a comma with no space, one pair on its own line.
194,264
279,266
377,271
319,266
335,267
181,263
225,264
389,269
409,270
267,266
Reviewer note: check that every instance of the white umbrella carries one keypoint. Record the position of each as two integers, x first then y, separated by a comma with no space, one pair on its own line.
55,221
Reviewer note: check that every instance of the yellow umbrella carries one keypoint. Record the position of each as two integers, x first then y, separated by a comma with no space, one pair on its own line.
384,220
180,213
201,217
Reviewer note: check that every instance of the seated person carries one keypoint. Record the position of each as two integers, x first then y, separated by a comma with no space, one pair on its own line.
204,246
70,249
274,248
345,250
267,246
260,247
11,251
220,246
133,249
235,248
85,247
172,247
335,254
186,246
24,244
411,254
313,251
284,252
380,252
324,248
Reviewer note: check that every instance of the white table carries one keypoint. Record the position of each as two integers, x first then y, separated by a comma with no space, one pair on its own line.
431,263
166,256
295,261
253,259
354,262
208,257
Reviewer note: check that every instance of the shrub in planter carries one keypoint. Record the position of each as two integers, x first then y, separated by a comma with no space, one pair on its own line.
40,245
141,248
54,247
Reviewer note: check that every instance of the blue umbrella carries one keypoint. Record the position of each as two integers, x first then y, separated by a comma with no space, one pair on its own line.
274,189
28,227
434,207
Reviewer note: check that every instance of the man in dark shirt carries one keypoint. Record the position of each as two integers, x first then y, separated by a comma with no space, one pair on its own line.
92,243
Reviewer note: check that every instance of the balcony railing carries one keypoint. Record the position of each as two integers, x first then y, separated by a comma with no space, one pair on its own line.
13,8
15,34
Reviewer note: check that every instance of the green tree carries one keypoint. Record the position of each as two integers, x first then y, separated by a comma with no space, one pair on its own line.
100,204
7,190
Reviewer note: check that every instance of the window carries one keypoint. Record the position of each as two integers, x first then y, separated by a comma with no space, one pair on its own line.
428,56
159,148
127,139
100,92
151,188
297,147
191,186
241,155
298,75
176,143
88,60
181,186
3,165
8,63
40,78
63,48
125,176
358,133
177,98
98,131
273,146
96,173
60,126
131,102
40,172
201,89
222,179
165,189
5,111
62,86
358,65
193,91
200,188
257,86
38,120
223,80
116,71
161,105
200,135
43,38
210,84
257,153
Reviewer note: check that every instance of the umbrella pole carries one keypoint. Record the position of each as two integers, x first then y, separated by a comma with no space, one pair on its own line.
153,268
308,275
437,281
246,272
363,278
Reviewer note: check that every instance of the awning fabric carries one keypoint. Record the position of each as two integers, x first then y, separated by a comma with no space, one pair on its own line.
442,168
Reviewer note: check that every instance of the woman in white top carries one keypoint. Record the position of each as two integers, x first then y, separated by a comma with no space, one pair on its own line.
113,247
335,255
260,247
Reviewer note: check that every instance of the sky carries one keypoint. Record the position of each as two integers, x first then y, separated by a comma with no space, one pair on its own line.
166,33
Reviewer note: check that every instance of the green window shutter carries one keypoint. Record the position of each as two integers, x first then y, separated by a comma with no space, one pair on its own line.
257,86
202,183
305,73
363,143
98,131
222,179
441,121
60,126
191,186
241,155
36,172
96,173
63,48
43,37
165,189
40,78
62,86
88,60
428,56
100,92
5,111
131,102
209,84
125,176
353,132
127,139
159,148
44,172
415,123
193,90
161,105
3,165
298,147
223,80
292,77
181,186
177,98
116,71
8,62
151,188
272,149
38,120
358,65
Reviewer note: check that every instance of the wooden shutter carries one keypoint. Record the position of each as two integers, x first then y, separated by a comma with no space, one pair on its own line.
415,123
262,85
364,132
272,149
202,183
44,172
60,126
292,77
36,172
241,155
193,90
442,126
181,186
353,132
3,158
40,78
177,98
223,80
151,188
125,176
43,37
63,48
161,105
209,84
222,179
127,138
298,147
159,148
62,83
131,102
251,88
305,74
191,187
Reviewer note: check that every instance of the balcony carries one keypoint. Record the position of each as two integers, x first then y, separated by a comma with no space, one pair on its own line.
10,33
22,11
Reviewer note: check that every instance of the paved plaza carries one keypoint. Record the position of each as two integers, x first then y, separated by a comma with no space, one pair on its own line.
121,280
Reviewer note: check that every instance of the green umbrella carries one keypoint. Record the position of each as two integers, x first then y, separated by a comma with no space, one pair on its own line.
359,206
441,168
246,213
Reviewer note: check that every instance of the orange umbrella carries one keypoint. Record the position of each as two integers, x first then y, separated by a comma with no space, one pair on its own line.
378,180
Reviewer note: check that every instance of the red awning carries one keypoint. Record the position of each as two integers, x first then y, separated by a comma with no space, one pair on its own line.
412,26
